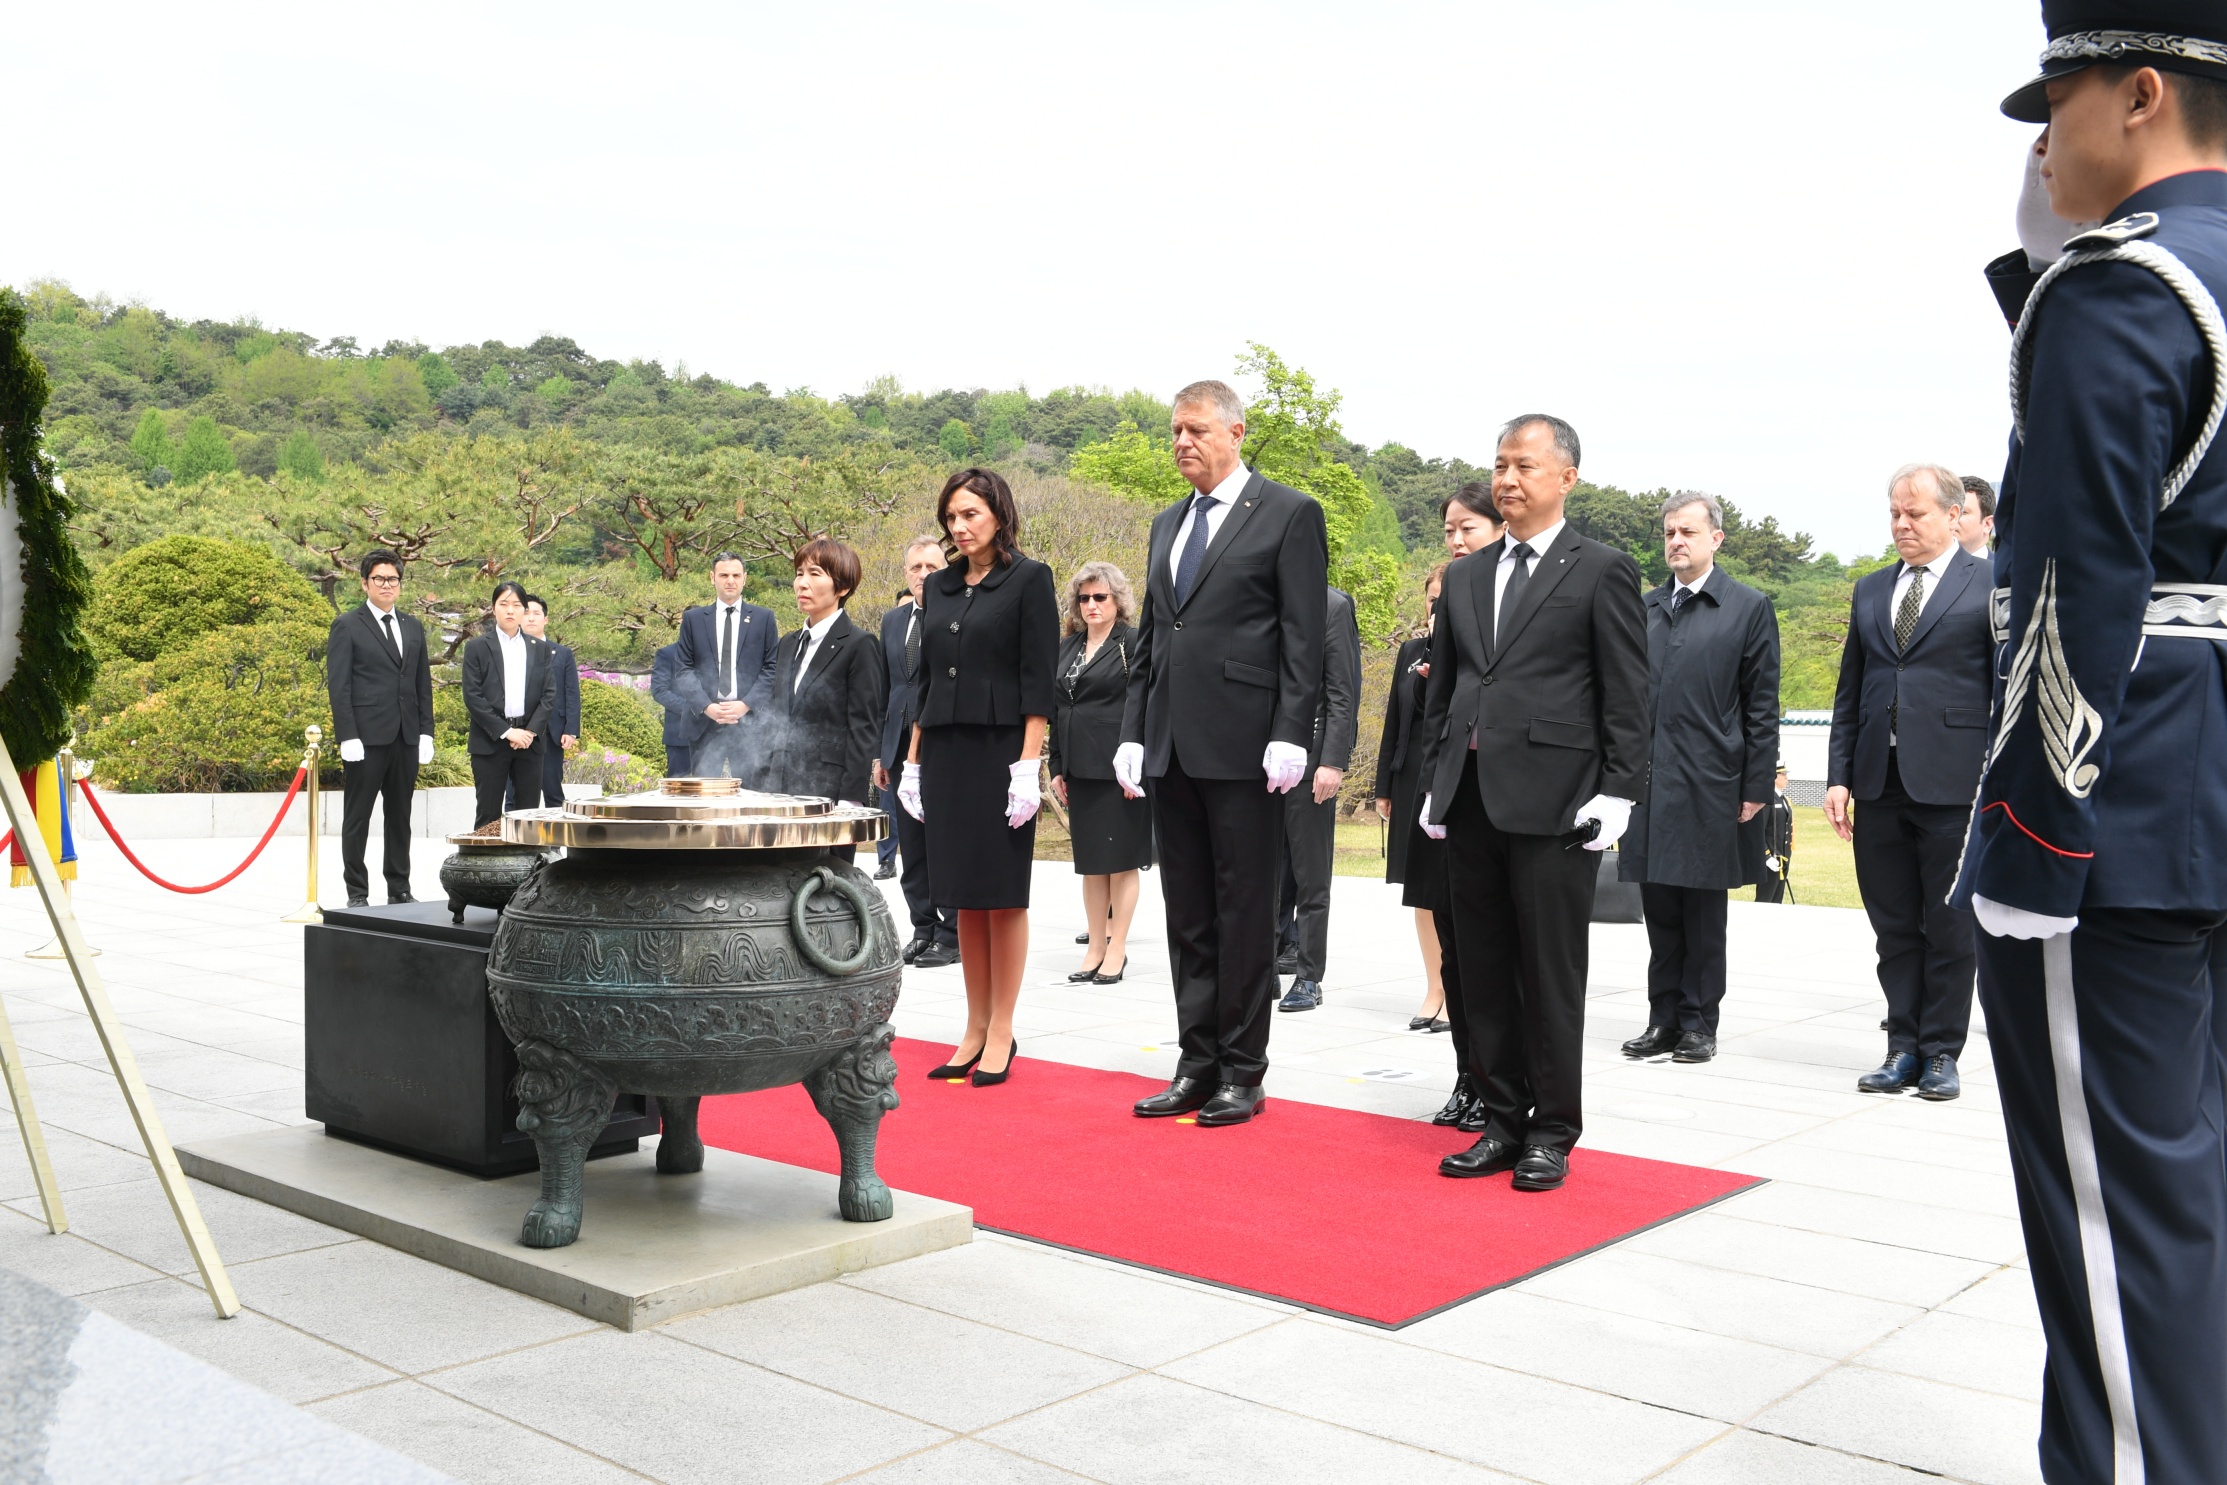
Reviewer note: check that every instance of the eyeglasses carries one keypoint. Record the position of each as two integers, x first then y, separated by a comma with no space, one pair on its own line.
384,579
1094,597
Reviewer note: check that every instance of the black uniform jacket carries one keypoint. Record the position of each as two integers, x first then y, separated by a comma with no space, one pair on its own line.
1932,696
564,712
1087,727
1559,707
1239,665
904,693
987,652
1713,703
378,696
755,636
483,691
1337,719
1403,715
822,734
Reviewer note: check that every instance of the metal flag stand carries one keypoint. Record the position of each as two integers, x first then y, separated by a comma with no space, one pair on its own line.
120,1059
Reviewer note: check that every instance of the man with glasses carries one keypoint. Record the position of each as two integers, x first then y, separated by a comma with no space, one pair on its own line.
728,646
381,687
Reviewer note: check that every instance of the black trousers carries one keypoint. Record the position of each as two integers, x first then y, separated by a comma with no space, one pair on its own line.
1310,850
552,776
1685,958
676,760
928,921
512,773
388,774
1906,860
1220,843
2106,1043
1523,909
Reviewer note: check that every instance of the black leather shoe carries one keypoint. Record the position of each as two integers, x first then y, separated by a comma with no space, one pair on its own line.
1488,1157
395,899
912,949
885,871
1695,1046
1939,1082
935,956
1898,1072
1885,1024
1652,1042
1287,961
1457,1105
1541,1169
1179,1097
1232,1104
355,902
1304,995
1475,1118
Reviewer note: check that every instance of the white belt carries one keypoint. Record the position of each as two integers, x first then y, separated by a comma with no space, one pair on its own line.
2175,611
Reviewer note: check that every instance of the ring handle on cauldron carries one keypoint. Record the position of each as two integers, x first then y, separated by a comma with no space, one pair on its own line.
822,879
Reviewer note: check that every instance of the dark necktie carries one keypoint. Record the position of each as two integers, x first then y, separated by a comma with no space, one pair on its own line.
394,640
1519,574
727,656
912,645
1678,600
1906,617
803,643
1194,549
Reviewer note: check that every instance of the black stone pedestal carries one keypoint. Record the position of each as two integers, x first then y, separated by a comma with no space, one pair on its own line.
402,1047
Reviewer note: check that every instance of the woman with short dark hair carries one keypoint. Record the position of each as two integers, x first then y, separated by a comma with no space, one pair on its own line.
1112,833
509,690
989,629
829,686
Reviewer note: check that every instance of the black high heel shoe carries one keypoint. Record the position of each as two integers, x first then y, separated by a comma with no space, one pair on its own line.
991,1080
958,1069
1085,976
1102,978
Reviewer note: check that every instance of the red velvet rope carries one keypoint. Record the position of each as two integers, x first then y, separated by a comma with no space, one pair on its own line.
85,787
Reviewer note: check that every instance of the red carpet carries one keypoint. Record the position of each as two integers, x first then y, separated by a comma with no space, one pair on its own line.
1333,1210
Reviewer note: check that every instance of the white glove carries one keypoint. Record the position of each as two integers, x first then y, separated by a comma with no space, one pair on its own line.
1129,769
2003,921
1024,796
1283,763
1435,832
351,751
2041,232
425,750
1613,813
908,791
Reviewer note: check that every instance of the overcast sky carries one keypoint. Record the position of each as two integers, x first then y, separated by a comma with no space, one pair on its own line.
1738,245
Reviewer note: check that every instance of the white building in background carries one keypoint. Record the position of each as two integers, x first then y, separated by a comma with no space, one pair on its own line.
1803,743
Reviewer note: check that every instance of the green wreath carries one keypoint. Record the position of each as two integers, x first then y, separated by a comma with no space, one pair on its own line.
46,668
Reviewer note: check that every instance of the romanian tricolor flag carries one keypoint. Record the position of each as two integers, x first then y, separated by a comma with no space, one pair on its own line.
44,785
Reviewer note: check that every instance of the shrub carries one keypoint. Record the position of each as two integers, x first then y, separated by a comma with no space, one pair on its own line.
169,594
224,713
622,720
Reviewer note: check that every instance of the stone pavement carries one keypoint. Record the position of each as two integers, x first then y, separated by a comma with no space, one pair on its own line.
1862,1319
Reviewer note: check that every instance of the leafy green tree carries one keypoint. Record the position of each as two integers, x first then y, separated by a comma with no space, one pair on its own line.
436,373
954,439
556,391
301,457
203,451
1132,463
150,442
1292,436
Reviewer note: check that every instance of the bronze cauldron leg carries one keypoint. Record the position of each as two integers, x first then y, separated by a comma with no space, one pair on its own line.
852,1093
680,1149
565,1104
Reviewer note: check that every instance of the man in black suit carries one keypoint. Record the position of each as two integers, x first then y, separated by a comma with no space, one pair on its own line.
509,693
561,734
673,687
729,646
935,932
381,688
1535,744
1311,814
1223,691
1909,736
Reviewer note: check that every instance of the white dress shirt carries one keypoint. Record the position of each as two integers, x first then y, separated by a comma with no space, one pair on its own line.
1226,494
813,634
389,625
730,688
513,647
1539,545
1933,572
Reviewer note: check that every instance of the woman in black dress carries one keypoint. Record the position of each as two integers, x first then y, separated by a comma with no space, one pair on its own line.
1413,859
829,685
989,629
1112,832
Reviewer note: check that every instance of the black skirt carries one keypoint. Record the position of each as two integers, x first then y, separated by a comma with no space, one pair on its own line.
975,860
1111,831
1418,863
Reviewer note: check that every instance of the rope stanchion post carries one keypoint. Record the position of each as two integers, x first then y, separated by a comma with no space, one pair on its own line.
310,912
66,772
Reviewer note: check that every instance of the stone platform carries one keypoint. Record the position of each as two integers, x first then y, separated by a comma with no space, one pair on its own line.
652,1248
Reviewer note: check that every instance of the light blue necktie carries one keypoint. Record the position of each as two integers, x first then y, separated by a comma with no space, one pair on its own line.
1194,549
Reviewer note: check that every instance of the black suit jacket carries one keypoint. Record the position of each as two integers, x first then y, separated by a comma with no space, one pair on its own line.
823,732
1943,682
1239,665
755,638
378,696
1559,705
1087,727
564,708
904,693
1337,719
987,652
673,687
483,691
1403,715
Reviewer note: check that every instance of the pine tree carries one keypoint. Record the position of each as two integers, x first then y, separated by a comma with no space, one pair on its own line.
150,442
202,451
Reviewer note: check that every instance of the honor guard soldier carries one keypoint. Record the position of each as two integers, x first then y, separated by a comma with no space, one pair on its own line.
2097,859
